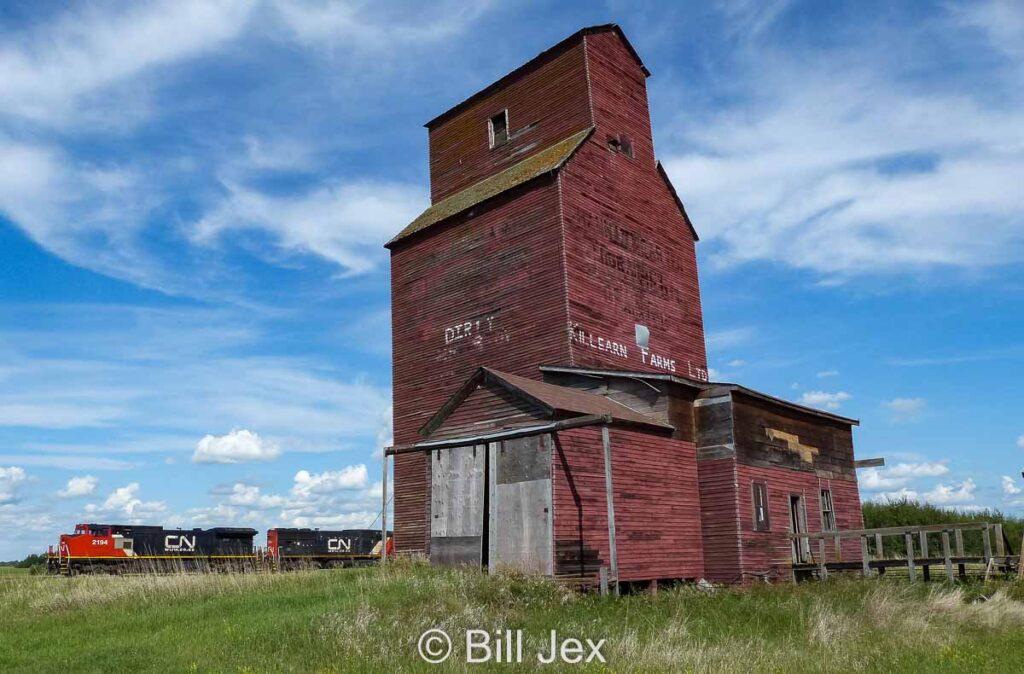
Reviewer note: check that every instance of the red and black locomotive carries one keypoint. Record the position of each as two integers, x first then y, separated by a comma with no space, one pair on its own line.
121,548
129,548
314,548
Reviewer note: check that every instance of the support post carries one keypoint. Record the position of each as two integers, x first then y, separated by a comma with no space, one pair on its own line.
839,548
911,572
959,537
1000,548
384,511
610,499
602,575
947,556
822,569
987,542
865,563
926,569
879,548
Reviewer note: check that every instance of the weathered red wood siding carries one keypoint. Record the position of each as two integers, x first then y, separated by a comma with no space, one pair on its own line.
545,105
720,520
768,553
657,505
496,269
487,409
630,255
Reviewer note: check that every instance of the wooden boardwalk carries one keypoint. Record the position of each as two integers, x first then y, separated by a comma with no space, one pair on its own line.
922,548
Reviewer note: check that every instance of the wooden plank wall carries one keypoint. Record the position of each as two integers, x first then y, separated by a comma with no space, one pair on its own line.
497,271
544,106
486,409
657,509
629,253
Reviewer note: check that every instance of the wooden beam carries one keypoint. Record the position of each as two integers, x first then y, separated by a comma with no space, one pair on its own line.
910,557
879,548
384,511
1000,548
822,571
947,557
553,427
987,543
893,531
610,499
869,463
865,562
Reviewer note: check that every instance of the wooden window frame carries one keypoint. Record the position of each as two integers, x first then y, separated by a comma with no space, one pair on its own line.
830,512
490,129
766,525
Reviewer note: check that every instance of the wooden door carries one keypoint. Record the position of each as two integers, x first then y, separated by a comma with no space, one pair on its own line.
520,524
798,525
457,510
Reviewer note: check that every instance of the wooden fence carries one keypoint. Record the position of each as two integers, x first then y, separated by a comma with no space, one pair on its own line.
996,553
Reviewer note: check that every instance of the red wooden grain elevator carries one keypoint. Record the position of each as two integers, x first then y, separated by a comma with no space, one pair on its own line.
551,396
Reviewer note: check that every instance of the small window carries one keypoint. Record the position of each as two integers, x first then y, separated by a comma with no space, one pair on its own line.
828,515
497,128
761,520
622,144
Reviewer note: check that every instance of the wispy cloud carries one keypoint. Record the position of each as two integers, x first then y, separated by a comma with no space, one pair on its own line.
825,399
831,163
903,410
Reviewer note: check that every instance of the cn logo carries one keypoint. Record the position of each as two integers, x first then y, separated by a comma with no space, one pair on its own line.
339,544
180,543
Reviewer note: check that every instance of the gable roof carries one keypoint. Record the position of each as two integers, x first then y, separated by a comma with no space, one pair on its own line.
556,401
707,389
535,62
547,160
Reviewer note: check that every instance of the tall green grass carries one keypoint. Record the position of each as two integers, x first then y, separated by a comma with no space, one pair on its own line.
370,619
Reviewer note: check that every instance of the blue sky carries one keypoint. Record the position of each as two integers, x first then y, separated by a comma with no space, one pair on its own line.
194,323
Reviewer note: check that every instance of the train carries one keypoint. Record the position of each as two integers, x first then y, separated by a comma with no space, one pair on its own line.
129,548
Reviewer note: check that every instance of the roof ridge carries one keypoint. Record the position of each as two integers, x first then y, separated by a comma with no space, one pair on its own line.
544,161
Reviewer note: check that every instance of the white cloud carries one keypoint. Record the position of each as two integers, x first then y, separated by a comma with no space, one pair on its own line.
250,496
350,477
346,25
951,494
1020,442
125,501
1010,487
828,373
238,446
831,401
738,362
83,485
345,223
50,69
719,340
385,431
906,409
10,478
843,164
875,479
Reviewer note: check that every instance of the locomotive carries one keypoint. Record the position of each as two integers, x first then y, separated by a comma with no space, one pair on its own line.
120,548
314,548
129,548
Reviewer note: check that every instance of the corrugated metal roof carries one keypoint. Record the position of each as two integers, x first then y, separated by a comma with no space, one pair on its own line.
556,401
545,161
708,389
563,399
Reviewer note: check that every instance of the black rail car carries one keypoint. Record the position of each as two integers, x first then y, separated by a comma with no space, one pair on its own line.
117,548
316,548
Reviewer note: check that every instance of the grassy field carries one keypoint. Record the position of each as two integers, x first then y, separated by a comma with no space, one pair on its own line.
370,620
13,571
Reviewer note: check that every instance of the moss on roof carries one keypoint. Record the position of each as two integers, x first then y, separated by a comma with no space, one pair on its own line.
545,161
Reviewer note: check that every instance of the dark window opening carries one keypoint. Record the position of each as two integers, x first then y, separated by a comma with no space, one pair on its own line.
498,128
622,144
761,518
828,515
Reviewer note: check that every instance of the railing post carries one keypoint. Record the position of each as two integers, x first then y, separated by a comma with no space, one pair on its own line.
865,563
987,542
839,548
961,567
1000,548
822,570
909,539
879,548
947,556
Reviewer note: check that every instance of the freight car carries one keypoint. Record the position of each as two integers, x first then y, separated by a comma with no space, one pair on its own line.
127,548
315,548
